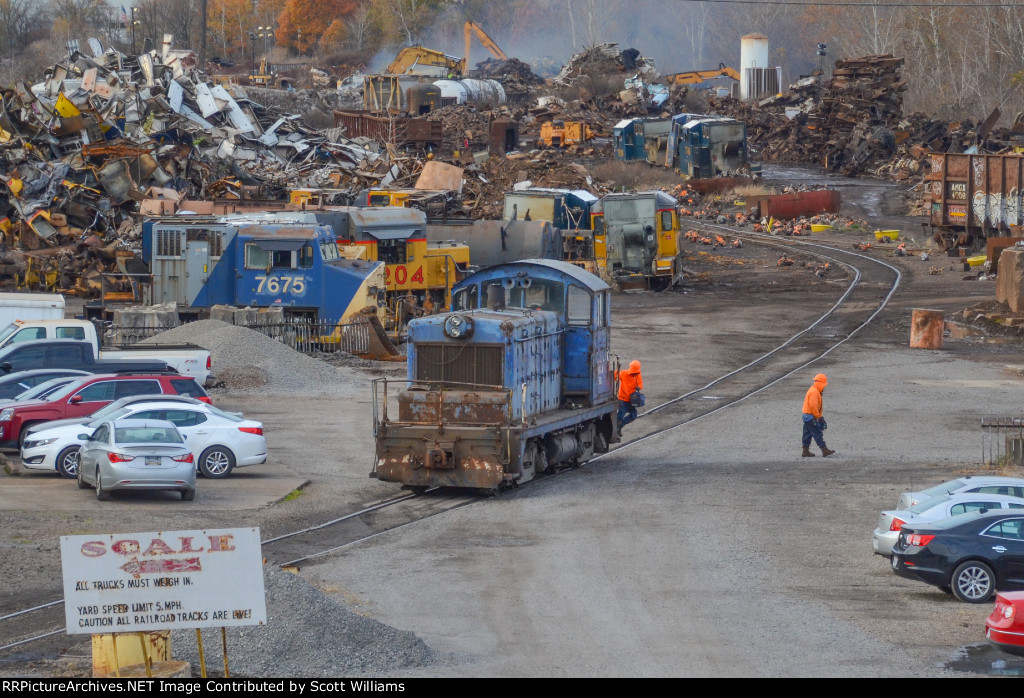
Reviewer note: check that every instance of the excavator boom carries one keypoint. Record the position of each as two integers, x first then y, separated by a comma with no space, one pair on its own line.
488,43
417,60
694,77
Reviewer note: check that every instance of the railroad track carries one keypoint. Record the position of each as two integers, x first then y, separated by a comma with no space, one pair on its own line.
872,285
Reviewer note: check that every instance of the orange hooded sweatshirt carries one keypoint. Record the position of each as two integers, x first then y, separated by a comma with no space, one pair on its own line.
630,380
812,401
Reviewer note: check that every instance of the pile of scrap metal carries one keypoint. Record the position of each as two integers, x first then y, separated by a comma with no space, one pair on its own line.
105,131
604,60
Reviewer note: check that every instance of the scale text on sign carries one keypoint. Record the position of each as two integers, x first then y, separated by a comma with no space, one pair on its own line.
129,547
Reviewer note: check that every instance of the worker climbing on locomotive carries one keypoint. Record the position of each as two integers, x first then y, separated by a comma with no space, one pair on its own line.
631,385
814,419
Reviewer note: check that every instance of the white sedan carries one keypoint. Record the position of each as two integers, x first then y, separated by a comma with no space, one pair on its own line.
220,441
935,509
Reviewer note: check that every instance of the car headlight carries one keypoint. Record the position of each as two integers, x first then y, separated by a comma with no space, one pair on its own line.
6,414
40,442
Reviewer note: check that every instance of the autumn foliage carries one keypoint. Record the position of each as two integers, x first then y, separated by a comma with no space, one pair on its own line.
302,23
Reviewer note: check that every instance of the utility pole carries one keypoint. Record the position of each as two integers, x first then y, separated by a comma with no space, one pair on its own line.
202,34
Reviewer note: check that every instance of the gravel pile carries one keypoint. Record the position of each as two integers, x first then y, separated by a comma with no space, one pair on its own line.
307,635
245,360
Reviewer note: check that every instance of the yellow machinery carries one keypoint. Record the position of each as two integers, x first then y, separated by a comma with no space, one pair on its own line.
695,77
437,204
488,43
414,267
263,78
559,134
418,60
642,235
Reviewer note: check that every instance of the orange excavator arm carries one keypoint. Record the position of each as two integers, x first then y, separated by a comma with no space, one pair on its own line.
488,43
694,77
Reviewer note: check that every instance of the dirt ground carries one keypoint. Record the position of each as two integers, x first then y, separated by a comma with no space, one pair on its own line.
713,550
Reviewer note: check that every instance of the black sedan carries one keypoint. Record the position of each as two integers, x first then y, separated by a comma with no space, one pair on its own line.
971,555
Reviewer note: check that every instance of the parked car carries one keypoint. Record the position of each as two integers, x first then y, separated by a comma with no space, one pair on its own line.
136,454
219,440
14,384
1004,628
105,412
187,359
983,484
45,390
972,555
85,397
935,509
69,353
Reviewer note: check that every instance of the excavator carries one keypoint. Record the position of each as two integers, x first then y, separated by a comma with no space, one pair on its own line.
488,43
695,77
419,60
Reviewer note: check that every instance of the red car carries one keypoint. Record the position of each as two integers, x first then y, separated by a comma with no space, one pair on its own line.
1005,627
83,397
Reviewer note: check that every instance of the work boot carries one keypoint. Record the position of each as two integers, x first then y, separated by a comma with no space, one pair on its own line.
826,451
807,452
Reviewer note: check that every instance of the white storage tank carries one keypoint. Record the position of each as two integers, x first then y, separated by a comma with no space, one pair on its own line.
756,78
482,93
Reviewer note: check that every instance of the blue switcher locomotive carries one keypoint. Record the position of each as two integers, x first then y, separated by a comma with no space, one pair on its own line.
515,381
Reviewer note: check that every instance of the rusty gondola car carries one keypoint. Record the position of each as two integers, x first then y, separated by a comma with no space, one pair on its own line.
975,196
515,381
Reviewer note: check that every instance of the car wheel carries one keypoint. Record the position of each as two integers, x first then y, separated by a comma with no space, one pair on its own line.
67,461
101,494
216,462
24,433
973,582
188,495
81,482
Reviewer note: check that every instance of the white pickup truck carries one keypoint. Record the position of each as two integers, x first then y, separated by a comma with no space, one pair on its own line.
186,359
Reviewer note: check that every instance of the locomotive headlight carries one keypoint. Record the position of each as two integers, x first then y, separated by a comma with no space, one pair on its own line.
458,326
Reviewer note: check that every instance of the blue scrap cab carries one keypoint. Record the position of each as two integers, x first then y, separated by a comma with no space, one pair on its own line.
628,140
515,381
257,261
710,146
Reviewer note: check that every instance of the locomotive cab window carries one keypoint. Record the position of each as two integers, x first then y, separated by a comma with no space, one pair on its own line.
391,251
466,299
579,303
666,220
329,251
541,295
306,256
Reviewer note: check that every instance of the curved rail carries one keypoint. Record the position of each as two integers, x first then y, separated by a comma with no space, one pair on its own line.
754,237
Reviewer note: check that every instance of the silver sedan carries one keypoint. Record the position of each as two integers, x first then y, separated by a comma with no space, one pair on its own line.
935,509
132,454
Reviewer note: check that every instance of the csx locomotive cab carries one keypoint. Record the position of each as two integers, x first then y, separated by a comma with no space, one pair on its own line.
515,381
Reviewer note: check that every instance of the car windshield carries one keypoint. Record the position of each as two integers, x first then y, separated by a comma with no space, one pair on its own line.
944,488
47,389
8,331
120,412
927,504
230,416
146,435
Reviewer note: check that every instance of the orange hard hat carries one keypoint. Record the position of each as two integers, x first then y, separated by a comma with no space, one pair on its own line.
821,378
634,366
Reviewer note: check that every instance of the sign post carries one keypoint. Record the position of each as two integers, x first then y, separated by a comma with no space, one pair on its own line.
162,581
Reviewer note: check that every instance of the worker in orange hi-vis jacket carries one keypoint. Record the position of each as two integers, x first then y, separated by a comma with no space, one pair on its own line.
631,385
814,420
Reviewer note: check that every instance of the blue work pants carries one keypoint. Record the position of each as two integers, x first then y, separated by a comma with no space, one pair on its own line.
627,413
813,430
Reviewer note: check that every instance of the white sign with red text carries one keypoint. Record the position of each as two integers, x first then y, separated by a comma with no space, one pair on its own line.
128,582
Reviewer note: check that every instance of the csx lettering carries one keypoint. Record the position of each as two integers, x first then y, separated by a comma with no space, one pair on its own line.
281,284
128,547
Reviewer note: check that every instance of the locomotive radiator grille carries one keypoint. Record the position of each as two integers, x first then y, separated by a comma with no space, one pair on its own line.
479,364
